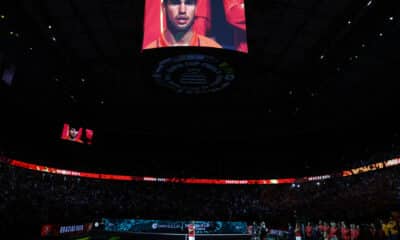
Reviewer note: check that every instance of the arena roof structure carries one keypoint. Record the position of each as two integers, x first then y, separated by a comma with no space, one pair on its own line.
317,90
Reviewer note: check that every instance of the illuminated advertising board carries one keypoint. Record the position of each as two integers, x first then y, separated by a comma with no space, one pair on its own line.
363,169
168,226
345,173
56,230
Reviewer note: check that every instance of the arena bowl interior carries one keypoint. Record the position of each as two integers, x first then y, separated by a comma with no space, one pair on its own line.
314,94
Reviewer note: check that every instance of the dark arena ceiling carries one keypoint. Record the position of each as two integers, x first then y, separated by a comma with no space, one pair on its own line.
317,92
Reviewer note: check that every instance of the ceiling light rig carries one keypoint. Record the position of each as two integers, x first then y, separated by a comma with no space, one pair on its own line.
363,44
352,58
14,34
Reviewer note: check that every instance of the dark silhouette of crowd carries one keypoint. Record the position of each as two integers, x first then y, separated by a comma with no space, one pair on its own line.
30,198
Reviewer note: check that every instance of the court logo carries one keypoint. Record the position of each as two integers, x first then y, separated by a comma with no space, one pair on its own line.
194,74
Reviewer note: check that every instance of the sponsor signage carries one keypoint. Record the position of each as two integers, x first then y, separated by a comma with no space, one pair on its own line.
52,230
166,226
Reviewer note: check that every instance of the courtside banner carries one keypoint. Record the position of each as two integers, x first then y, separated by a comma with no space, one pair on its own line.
166,226
55,230
195,23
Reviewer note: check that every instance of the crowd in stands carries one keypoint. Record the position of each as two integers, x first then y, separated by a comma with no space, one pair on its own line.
29,197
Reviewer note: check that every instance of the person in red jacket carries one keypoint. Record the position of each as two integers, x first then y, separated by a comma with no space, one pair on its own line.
180,15
332,235
345,232
309,230
297,231
320,227
155,20
235,15
353,232
325,230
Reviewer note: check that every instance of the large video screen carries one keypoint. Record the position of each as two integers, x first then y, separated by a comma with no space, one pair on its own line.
195,23
77,134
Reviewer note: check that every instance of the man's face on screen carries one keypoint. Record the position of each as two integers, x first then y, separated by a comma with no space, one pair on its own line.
180,14
73,133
